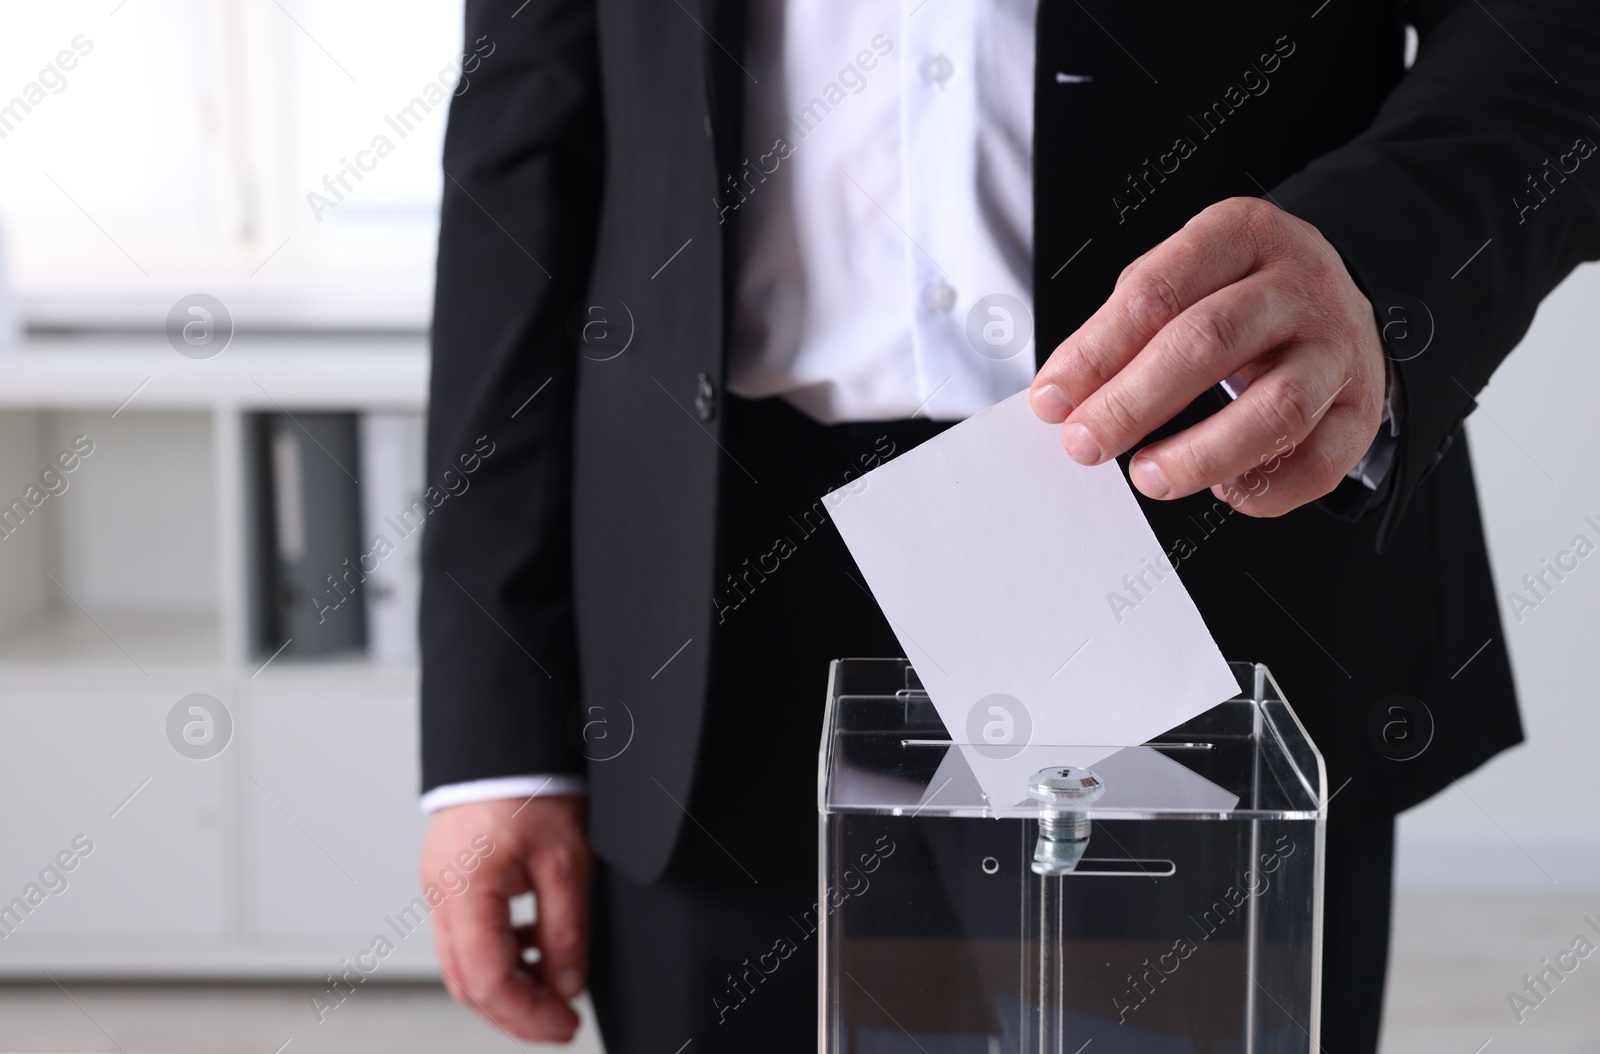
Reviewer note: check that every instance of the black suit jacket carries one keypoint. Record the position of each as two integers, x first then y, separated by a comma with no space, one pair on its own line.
583,170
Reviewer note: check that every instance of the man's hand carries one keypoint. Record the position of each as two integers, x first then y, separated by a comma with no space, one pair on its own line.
1243,289
537,845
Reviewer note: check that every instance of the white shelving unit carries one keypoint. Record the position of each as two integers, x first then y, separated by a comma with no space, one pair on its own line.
130,590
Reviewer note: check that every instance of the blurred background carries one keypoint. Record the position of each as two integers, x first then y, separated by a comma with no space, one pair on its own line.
218,224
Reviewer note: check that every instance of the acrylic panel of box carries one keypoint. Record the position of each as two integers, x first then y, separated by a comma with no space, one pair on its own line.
1191,923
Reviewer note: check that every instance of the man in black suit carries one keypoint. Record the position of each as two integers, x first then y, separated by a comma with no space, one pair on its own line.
1255,194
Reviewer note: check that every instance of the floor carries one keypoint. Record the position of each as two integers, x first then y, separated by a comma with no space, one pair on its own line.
1456,956
247,1019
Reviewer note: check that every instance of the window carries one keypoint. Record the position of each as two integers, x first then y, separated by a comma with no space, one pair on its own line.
153,148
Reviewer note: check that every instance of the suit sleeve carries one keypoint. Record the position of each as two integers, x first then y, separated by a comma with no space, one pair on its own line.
1475,191
523,163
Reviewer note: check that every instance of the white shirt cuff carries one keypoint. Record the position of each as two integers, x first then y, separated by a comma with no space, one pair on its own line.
1374,465
536,786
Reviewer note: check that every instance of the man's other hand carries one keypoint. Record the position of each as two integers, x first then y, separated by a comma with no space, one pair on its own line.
538,845
1243,290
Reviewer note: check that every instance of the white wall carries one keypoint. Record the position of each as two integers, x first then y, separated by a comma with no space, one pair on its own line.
1532,816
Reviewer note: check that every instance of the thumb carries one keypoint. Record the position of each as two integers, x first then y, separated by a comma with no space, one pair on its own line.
560,876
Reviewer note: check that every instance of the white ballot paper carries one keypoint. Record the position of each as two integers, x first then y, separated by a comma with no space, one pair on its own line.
1031,596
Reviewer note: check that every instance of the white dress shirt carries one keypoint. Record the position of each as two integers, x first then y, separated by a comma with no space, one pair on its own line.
885,215
886,261
885,223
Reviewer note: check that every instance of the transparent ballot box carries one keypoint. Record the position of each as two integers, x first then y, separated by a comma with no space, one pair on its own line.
1165,898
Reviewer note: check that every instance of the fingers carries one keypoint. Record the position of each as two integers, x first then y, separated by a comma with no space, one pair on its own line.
445,948
1306,472
1212,250
515,848
490,976
1282,407
1212,339
1244,289
561,877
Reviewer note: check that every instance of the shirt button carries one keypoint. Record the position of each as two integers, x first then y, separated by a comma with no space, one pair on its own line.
936,69
939,297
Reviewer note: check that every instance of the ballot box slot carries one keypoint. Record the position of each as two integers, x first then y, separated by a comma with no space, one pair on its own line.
1110,867
1152,743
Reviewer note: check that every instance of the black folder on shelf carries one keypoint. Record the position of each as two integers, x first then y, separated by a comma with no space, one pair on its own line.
315,525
